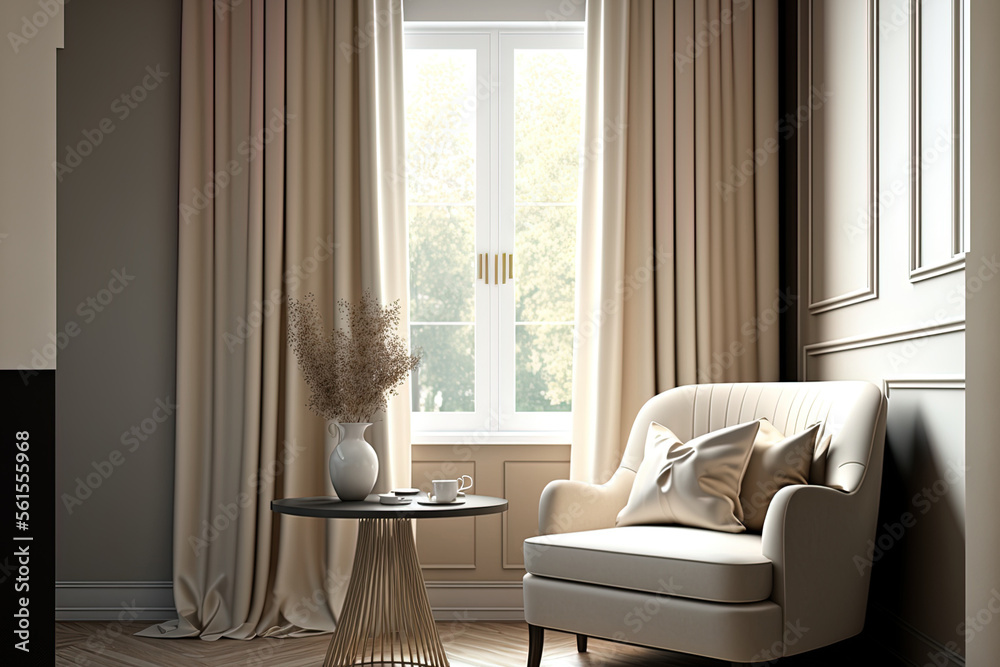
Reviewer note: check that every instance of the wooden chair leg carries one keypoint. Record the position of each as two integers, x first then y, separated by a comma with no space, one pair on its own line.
536,637
581,643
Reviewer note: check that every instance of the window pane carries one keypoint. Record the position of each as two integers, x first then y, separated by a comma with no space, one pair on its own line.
548,111
440,99
445,379
544,367
547,123
545,238
440,107
442,263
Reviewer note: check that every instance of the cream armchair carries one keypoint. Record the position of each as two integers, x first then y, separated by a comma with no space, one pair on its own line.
740,597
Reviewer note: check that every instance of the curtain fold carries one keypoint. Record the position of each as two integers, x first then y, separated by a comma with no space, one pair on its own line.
284,146
677,274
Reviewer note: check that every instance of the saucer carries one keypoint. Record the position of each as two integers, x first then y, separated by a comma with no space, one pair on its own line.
392,499
456,501
405,492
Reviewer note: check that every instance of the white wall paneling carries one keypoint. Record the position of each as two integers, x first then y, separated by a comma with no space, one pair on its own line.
880,211
923,520
937,243
842,153
910,349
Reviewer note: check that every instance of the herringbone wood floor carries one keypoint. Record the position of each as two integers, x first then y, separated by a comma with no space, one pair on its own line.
482,644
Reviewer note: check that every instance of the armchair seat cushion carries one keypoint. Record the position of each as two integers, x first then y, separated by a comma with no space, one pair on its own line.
670,560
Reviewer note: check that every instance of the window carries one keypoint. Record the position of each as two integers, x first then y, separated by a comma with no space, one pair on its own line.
493,123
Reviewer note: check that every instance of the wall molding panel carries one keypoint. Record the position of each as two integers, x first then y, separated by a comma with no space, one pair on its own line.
872,340
819,303
533,475
437,531
942,382
464,601
115,601
919,271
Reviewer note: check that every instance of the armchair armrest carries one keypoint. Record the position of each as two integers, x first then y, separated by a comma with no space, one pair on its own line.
568,506
817,539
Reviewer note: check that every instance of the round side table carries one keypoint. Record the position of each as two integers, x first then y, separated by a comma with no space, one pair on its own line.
386,619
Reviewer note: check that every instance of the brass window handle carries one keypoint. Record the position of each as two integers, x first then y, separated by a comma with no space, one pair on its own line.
501,271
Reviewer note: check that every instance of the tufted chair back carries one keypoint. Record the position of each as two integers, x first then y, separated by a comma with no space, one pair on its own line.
849,411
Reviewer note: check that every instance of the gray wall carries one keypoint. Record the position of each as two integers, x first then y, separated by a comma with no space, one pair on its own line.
117,212
882,274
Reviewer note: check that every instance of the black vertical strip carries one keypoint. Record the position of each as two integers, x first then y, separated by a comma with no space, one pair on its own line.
788,237
27,559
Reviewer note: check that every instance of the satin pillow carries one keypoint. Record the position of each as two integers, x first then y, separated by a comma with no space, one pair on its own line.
775,462
817,472
692,484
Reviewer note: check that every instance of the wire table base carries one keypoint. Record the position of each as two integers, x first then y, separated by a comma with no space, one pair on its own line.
386,619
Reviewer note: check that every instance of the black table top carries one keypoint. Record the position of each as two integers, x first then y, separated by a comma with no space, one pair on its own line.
325,507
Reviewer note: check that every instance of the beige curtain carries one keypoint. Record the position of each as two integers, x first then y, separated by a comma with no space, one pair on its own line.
291,182
677,273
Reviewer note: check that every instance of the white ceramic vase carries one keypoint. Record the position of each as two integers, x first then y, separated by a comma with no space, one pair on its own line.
353,463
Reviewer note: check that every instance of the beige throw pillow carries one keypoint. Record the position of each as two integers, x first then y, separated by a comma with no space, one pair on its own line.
817,473
775,462
693,484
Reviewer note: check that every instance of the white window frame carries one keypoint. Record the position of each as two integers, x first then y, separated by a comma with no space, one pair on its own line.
495,420
480,419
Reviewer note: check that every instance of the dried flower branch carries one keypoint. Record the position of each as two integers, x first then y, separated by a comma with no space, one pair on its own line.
351,373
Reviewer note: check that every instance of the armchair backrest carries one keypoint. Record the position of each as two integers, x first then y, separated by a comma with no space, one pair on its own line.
850,411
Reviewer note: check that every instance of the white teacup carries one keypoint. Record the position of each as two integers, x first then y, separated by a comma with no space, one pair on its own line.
445,491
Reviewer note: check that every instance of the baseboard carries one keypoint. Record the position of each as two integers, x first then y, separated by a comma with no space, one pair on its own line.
477,614
912,646
467,601
115,601
461,601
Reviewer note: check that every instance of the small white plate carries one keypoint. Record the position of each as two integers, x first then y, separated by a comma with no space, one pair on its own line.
392,499
456,501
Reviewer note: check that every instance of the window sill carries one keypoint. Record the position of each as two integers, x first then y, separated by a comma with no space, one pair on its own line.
490,438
